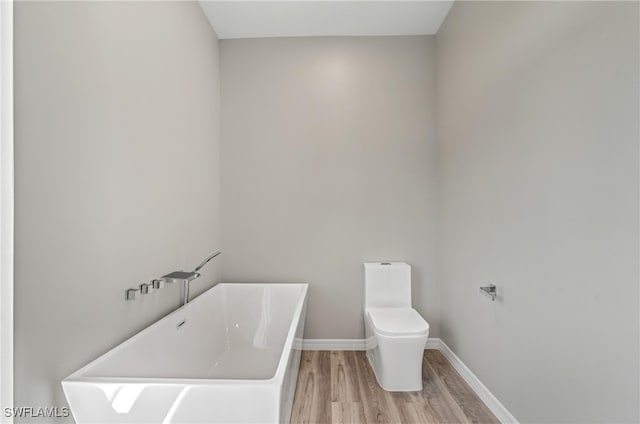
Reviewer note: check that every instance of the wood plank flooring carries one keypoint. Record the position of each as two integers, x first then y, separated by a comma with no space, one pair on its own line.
340,387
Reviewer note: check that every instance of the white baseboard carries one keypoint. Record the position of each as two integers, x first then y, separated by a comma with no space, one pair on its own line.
476,385
333,344
351,344
432,344
498,409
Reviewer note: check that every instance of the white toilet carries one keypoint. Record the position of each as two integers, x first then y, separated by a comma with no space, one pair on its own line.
396,333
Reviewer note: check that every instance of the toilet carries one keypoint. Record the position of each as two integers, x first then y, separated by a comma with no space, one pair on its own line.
396,334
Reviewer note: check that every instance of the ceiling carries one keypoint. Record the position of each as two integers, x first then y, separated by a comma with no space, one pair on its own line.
256,19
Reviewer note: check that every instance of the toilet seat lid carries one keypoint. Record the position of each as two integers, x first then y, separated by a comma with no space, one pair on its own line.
398,321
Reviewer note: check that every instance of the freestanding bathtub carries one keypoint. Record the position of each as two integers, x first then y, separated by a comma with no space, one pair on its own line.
229,356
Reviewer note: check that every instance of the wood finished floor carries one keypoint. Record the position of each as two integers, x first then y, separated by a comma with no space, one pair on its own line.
340,387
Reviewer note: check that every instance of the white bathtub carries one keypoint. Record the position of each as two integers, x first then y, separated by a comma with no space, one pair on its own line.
230,356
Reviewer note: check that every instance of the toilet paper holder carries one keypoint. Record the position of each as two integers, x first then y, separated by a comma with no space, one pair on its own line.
489,291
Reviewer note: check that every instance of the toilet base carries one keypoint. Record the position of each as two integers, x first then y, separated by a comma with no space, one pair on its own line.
397,362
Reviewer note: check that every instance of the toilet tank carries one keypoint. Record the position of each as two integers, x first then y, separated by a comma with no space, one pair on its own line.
387,285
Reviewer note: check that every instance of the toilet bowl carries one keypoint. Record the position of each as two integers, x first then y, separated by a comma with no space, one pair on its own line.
396,334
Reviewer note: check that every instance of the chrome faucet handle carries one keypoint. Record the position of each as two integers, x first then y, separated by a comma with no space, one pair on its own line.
130,294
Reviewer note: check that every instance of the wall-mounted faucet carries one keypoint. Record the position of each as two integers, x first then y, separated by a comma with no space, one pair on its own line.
172,277
186,277
178,276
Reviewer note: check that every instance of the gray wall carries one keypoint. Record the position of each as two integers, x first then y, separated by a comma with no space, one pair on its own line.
117,175
329,161
538,155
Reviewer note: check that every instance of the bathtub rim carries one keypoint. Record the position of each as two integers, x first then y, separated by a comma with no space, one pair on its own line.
78,376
